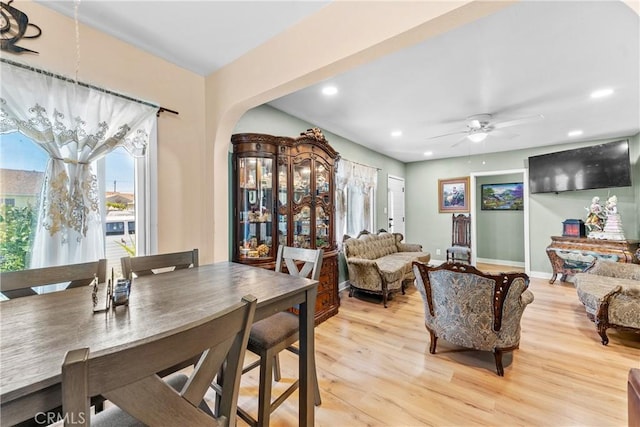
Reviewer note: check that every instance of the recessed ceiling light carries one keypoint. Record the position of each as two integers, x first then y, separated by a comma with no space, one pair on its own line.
575,133
329,90
601,93
396,133
428,153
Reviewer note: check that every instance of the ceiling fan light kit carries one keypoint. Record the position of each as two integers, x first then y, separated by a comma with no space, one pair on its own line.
477,136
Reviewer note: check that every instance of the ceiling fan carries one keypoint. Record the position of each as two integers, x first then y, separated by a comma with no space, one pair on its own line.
480,126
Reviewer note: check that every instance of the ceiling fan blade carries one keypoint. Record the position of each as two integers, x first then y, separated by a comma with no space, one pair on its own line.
463,139
448,134
516,122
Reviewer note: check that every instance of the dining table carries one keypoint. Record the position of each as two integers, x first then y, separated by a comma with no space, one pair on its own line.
37,331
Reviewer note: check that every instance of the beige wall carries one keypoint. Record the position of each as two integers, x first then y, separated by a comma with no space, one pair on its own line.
113,64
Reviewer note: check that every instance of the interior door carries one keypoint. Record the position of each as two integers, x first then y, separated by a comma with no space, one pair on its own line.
395,204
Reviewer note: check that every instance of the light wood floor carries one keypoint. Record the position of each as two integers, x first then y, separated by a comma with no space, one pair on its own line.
375,369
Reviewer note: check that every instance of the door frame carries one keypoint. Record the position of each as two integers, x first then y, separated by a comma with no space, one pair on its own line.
404,203
472,201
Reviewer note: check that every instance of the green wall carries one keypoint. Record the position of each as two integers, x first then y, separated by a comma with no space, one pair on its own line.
546,211
500,234
426,226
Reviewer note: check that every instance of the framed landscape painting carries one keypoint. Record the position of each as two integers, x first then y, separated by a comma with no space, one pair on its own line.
453,195
502,197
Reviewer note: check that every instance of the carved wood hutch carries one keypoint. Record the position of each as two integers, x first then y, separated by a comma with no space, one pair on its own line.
283,195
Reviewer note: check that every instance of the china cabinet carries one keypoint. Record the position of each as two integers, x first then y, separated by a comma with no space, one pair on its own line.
283,195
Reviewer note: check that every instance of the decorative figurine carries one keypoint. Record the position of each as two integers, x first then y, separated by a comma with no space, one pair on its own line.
613,226
596,217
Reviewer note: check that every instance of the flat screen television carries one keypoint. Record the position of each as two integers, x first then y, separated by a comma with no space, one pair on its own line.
598,166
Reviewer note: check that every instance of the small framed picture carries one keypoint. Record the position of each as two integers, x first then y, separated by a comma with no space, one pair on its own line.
453,195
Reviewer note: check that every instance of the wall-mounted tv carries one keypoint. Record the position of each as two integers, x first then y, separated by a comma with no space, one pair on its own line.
597,166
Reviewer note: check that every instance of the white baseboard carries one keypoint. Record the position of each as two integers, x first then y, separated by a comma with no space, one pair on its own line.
501,262
436,261
343,285
541,275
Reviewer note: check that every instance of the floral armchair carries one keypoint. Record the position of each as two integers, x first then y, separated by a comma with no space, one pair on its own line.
472,309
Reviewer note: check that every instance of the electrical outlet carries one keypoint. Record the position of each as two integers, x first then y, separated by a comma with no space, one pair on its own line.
438,252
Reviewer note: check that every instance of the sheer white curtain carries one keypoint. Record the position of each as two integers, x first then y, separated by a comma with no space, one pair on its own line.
355,187
76,126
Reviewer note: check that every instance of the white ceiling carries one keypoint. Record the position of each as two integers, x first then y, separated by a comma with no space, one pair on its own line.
532,58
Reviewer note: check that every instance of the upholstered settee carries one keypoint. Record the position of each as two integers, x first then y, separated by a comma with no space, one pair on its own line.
473,309
610,292
380,263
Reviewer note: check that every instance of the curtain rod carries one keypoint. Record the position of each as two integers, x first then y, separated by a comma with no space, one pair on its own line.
87,85
362,164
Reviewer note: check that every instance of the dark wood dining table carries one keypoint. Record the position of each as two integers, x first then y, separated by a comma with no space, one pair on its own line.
37,331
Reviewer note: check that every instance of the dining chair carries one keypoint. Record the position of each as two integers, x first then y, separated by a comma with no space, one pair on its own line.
278,332
16,284
146,265
460,249
152,264
127,375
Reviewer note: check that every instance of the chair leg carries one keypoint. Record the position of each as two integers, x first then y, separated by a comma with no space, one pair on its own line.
314,372
602,331
277,374
497,354
264,393
434,341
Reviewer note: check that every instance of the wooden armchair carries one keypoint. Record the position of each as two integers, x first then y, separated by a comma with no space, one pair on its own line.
460,249
127,376
472,309
152,264
16,284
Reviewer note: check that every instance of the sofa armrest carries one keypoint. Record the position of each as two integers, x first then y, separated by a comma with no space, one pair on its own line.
361,262
409,247
526,297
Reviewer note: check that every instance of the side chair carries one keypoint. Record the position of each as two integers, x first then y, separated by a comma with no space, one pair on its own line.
278,332
16,284
145,265
150,264
127,375
460,249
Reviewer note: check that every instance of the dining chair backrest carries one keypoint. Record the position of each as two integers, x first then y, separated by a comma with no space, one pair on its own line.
291,257
149,264
15,284
127,377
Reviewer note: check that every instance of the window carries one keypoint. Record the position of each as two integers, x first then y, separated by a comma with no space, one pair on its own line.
355,198
22,165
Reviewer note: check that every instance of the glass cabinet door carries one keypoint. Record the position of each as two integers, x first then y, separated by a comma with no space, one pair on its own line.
255,207
302,228
301,180
322,228
283,200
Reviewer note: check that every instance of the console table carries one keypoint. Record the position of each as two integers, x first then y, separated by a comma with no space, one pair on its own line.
571,255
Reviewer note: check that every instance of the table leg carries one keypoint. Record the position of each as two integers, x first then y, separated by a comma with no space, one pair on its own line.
307,358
